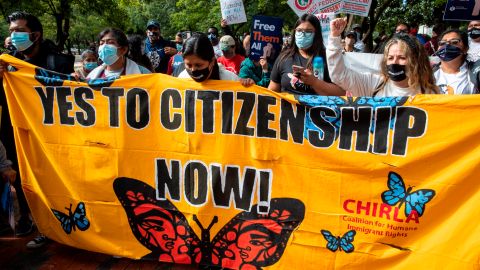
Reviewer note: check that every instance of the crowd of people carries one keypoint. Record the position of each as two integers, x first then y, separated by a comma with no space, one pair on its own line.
405,69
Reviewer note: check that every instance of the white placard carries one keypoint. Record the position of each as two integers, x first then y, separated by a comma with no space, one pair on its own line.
233,11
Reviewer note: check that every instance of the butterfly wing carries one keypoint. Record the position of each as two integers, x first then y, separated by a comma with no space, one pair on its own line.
332,241
157,224
331,102
396,190
252,240
346,241
417,200
64,219
80,217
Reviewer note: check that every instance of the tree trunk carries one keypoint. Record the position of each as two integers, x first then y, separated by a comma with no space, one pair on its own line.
373,16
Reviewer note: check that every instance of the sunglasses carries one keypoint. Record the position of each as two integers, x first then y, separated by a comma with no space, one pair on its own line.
454,42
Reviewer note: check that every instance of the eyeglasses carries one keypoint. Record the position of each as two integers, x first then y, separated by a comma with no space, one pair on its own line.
454,42
401,31
303,32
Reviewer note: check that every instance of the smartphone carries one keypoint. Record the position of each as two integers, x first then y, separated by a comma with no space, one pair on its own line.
297,70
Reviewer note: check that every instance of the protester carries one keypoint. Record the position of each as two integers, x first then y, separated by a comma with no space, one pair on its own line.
402,27
89,63
246,45
414,33
350,40
258,71
405,69
136,49
214,40
454,74
26,32
157,48
112,51
359,45
201,64
7,174
230,59
307,42
175,65
473,41
432,45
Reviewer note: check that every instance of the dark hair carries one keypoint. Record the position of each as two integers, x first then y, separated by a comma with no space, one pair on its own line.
463,36
87,51
118,34
317,48
32,22
199,45
179,34
403,23
135,43
213,27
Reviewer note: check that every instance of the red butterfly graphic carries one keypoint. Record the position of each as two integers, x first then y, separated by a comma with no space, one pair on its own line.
248,241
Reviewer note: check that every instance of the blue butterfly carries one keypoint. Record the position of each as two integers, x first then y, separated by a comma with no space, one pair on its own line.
76,219
413,200
340,243
336,103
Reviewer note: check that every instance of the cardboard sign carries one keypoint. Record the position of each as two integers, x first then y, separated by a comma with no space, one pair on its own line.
325,19
356,7
233,11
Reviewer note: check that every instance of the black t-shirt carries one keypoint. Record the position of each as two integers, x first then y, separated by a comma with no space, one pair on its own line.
282,73
49,58
156,54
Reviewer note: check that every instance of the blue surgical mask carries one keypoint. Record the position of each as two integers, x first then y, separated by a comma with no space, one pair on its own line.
90,65
21,40
304,40
108,54
179,47
448,53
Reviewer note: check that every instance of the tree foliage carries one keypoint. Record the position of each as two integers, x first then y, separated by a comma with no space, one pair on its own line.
77,22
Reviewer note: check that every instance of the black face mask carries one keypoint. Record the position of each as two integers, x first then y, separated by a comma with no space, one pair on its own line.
474,33
396,72
199,75
448,53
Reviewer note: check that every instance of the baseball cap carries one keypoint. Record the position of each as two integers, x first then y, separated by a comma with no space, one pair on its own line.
351,33
153,23
356,26
226,42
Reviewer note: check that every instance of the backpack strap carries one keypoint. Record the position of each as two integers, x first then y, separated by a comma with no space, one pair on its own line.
51,61
474,74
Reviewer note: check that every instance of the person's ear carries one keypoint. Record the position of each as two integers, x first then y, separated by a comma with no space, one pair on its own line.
35,36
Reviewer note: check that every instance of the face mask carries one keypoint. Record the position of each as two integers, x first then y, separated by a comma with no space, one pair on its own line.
108,54
474,33
199,75
396,72
228,53
448,53
304,40
21,40
179,47
212,37
90,65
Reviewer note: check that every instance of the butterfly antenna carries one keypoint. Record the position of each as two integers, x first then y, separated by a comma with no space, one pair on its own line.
198,222
214,220
69,209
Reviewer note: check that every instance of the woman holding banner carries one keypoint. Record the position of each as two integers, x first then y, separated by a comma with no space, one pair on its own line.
113,53
307,43
201,64
405,68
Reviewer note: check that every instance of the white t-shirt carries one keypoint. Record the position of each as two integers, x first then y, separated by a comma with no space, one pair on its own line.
458,83
225,75
473,53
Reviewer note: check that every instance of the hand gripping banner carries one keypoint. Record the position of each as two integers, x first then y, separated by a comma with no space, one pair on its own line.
218,175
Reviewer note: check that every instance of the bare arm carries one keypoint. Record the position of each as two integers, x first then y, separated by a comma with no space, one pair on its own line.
274,86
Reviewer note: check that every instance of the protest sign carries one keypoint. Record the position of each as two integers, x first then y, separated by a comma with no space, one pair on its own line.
265,37
233,11
356,7
460,10
152,166
325,19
